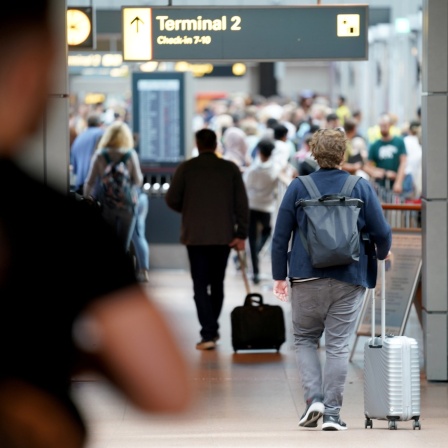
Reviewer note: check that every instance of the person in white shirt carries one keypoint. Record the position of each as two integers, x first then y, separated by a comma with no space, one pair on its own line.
282,150
261,180
413,171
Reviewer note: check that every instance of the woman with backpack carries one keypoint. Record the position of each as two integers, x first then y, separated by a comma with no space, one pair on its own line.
114,179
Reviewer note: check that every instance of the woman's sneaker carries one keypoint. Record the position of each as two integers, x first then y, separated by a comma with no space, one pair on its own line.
312,414
333,423
143,276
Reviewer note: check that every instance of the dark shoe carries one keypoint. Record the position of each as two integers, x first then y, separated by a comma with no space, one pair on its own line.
206,345
312,414
256,279
333,423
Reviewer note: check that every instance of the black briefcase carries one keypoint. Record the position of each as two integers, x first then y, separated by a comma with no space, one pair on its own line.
256,325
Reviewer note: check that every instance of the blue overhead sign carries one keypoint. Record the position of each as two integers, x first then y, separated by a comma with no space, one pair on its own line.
245,33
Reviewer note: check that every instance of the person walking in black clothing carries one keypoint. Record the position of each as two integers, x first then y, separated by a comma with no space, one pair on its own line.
210,194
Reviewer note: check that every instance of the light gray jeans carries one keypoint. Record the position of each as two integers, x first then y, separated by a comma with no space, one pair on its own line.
330,305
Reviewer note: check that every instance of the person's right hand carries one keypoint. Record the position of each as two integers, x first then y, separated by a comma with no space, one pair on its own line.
280,290
397,187
388,261
238,244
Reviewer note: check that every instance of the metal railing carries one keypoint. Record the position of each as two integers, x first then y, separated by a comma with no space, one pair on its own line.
403,216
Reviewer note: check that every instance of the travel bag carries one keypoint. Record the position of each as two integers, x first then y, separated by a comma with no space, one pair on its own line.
256,325
332,238
391,373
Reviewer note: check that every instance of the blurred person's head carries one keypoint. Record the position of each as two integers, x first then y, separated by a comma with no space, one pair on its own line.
234,138
235,144
332,120
393,118
350,127
265,147
384,124
221,122
328,147
414,127
251,111
306,99
249,126
307,139
206,140
318,114
94,120
27,49
271,123
357,116
117,135
280,132
298,116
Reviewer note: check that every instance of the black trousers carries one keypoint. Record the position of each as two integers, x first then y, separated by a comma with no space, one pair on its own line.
208,268
259,232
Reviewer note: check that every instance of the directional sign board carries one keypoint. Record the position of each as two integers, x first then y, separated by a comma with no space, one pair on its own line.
245,33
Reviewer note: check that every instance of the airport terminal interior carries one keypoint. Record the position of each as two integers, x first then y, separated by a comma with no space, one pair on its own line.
253,398
248,398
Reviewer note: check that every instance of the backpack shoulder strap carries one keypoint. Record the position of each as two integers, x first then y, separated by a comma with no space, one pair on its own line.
106,155
314,192
126,156
310,186
349,185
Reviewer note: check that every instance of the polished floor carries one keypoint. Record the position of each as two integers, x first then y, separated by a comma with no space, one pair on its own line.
247,399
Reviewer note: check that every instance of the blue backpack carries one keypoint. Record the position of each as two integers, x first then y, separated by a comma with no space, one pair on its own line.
116,188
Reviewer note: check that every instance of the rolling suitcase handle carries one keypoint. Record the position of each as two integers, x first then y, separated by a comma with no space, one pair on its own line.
383,299
243,270
375,343
252,298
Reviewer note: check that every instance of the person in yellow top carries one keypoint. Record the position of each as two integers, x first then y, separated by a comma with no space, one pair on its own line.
342,111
